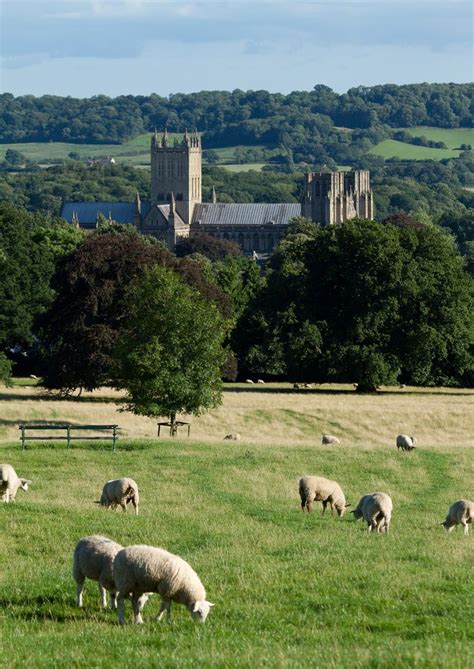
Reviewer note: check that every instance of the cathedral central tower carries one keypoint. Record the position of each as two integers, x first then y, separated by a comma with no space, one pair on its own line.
176,172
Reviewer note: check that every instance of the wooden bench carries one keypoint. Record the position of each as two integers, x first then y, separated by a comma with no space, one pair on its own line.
69,433
178,423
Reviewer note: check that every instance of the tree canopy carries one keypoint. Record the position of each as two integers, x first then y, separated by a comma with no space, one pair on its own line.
168,353
365,303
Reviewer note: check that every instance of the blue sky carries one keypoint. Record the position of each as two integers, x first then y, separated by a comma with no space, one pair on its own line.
86,47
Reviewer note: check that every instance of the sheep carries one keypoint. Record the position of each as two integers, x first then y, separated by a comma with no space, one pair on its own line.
233,436
376,509
93,558
260,381
120,492
141,569
319,489
10,482
329,439
296,386
405,442
459,513
248,381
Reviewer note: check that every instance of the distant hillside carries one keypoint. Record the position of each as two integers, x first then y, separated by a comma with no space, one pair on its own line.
312,127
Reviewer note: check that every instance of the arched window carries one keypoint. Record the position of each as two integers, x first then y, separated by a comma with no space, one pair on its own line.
240,240
247,243
256,244
270,242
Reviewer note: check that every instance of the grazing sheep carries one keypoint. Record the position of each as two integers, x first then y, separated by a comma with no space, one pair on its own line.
10,482
329,439
355,385
94,558
319,489
376,509
142,569
248,381
296,386
120,492
260,381
405,442
459,513
234,436
401,386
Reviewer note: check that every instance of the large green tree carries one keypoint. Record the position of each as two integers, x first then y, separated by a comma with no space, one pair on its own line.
80,327
366,303
169,351
29,246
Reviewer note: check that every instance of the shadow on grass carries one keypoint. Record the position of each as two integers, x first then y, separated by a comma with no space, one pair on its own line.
353,393
50,397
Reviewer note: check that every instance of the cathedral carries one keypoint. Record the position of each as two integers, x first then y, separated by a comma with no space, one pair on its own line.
176,209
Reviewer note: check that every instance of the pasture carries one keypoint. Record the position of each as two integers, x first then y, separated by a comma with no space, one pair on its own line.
290,589
391,148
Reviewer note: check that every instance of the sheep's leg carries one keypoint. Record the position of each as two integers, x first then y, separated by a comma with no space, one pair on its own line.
165,607
325,503
103,595
466,529
135,506
120,598
79,590
138,620
113,600
309,506
450,529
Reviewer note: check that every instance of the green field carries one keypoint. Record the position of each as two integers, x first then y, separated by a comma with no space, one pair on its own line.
452,137
391,148
290,589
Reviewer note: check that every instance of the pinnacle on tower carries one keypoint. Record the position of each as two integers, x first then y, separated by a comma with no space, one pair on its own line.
213,196
172,204
164,139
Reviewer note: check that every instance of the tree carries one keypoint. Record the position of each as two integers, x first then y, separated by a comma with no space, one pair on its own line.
169,350
364,302
80,328
5,369
14,158
26,268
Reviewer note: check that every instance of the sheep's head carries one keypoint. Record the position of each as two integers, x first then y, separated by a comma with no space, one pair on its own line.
357,513
24,483
200,610
341,509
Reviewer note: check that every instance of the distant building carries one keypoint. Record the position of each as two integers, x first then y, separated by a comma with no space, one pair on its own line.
176,209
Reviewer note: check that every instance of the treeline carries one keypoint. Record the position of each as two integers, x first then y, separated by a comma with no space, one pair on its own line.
367,302
430,190
314,125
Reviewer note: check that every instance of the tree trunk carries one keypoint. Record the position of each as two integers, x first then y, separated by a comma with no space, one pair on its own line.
174,427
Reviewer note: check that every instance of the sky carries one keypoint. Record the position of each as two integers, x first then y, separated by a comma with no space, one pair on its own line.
113,47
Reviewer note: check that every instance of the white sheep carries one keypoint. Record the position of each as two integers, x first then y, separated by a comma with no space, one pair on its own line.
10,482
329,439
141,569
120,492
376,509
233,436
248,381
94,558
459,513
319,489
260,381
405,442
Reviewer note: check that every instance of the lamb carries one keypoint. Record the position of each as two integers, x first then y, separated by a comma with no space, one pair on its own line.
405,442
329,439
459,513
376,509
120,492
141,569
10,482
233,436
317,488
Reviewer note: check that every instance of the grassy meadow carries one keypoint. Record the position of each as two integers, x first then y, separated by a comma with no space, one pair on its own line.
290,589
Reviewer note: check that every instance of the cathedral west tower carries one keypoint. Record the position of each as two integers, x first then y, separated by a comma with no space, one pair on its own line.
176,172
